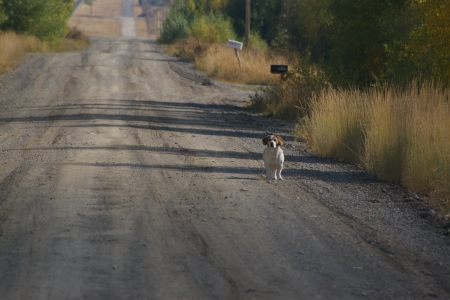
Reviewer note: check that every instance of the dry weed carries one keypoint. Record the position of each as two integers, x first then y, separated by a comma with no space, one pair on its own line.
222,63
13,48
403,136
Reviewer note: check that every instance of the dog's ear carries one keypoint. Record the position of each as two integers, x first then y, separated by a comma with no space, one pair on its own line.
279,140
265,140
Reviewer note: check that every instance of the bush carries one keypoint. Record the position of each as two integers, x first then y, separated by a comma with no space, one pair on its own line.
73,41
256,42
291,99
175,27
187,19
45,19
212,28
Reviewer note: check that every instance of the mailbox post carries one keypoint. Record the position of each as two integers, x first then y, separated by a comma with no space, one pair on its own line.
236,46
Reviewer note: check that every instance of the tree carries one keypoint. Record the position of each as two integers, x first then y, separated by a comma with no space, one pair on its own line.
176,25
3,16
265,17
425,52
304,23
45,19
359,34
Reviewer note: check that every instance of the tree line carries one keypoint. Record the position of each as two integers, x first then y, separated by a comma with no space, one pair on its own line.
355,42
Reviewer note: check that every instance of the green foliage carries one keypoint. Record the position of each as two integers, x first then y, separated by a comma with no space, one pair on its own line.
214,27
176,25
357,43
424,52
45,19
186,19
264,18
373,42
3,16
358,36
207,6
256,42
304,23
312,17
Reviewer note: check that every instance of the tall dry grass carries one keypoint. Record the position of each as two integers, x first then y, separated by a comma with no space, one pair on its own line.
335,126
13,48
221,62
403,136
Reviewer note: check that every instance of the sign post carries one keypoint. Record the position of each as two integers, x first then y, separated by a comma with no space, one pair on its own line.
236,46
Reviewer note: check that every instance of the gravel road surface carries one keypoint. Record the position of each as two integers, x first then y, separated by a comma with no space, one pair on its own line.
125,174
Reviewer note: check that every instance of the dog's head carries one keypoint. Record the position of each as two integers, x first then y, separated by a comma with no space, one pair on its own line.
273,141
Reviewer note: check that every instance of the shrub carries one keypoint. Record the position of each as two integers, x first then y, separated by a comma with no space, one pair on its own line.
45,19
74,40
256,42
212,28
175,27
291,99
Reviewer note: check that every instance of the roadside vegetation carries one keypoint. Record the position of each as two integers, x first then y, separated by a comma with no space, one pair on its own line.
191,32
368,80
400,134
14,46
35,26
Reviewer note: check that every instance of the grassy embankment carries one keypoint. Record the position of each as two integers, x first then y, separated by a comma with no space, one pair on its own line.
14,47
403,136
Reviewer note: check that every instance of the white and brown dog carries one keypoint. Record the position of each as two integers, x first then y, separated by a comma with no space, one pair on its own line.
273,156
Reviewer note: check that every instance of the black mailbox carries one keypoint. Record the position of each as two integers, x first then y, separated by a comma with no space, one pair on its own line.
278,69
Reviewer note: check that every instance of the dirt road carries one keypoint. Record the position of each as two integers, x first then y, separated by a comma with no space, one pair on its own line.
124,174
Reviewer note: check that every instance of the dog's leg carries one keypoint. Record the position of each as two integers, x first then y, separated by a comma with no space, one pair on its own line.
278,173
269,173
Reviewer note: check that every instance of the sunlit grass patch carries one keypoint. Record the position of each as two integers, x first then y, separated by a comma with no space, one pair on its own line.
402,136
222,63
13,48
336,125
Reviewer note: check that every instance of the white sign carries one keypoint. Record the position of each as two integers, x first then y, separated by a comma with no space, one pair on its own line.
234,44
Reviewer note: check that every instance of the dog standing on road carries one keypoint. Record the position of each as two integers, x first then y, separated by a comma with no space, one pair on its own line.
273,156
